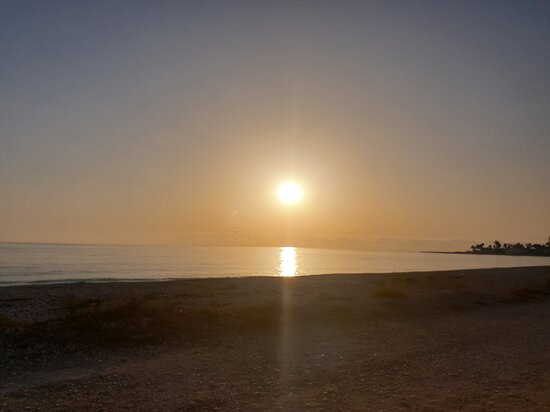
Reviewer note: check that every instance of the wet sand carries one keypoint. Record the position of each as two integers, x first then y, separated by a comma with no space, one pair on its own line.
457,340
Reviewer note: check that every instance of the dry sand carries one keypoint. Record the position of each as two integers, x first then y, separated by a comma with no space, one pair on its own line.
459,340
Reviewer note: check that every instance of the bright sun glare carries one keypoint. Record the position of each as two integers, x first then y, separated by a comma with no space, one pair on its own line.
289,193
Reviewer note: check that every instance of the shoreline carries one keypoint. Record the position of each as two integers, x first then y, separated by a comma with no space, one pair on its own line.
45,283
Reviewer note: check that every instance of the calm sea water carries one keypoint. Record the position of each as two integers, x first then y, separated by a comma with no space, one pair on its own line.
30,263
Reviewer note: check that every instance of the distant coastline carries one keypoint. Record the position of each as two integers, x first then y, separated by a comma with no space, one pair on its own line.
467,252
505,249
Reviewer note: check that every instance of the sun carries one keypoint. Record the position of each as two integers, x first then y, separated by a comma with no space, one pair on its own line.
289,193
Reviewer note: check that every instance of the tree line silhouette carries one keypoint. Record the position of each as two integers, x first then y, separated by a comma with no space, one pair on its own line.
498,248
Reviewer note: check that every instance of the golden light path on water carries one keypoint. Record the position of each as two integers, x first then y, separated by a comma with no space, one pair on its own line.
288,265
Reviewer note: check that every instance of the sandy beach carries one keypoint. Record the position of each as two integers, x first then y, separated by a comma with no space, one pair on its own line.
457,340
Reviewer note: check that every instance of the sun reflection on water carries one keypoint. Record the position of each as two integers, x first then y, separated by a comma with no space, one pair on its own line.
288,265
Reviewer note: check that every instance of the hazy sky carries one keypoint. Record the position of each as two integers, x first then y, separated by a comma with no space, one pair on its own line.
164,121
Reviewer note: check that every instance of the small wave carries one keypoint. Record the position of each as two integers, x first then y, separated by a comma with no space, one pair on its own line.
82,281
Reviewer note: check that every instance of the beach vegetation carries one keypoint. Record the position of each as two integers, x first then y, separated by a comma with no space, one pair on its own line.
387,293
514,249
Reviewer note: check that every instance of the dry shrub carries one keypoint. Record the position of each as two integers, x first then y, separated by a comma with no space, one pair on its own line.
387,293
91,322
6,323
528,294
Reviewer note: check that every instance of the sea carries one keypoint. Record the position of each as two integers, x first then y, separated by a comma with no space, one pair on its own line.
58,263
